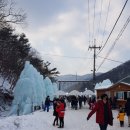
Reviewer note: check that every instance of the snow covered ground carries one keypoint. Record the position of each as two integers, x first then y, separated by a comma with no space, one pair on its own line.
40,120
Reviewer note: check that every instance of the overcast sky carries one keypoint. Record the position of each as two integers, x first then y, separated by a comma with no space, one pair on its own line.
62,30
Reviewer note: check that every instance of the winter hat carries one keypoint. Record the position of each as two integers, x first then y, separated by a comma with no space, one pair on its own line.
103,95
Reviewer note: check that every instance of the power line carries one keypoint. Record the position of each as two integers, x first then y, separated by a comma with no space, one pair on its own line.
106,21
93,34
106,68
118,37
84,57
100,17
88,24
110,59
88,29
113,27
72,57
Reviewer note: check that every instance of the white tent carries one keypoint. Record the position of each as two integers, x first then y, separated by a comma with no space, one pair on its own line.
74,92
60,92
88,92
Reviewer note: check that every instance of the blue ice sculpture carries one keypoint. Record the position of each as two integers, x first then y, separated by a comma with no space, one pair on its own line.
55,87
30,90
49,88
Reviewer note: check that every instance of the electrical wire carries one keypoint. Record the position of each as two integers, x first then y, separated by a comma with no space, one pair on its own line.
72,57
106,22
88,24
83,57
118,37
100,18
110,59
113,27
93,34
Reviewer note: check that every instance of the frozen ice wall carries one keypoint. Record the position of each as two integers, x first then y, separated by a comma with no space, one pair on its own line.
30,90
49,88
55,87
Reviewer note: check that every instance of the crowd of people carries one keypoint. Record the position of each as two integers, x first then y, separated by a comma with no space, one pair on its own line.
102,106
76,101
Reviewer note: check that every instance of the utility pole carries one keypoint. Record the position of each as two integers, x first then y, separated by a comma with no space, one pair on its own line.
59,85
76,75
94,58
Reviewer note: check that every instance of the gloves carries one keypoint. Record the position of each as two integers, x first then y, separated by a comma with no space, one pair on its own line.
87,118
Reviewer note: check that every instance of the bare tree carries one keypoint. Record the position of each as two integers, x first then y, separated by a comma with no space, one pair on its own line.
8,14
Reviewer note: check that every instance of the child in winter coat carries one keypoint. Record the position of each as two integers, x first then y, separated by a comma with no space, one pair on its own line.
121,116
61,112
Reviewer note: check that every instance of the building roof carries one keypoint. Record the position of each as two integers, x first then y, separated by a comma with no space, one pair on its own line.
103,87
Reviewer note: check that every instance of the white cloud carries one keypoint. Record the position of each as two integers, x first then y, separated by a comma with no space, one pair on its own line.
67,34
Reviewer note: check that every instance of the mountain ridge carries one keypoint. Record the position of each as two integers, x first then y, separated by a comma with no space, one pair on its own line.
114,75
70,77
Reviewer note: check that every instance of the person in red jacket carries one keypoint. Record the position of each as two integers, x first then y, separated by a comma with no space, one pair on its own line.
61,112
103,112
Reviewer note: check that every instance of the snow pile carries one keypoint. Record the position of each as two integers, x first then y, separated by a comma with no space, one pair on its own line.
41,120
105,84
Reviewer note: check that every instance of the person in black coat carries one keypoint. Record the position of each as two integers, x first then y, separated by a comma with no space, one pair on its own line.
55,113
80,101
127,109
47,103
